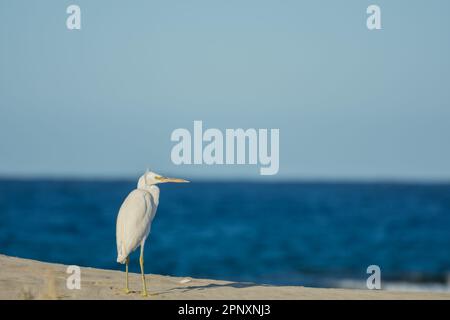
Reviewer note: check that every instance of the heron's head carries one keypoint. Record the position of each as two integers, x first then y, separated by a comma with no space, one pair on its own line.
151,178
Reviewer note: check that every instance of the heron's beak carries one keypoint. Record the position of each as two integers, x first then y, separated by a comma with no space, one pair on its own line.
176,180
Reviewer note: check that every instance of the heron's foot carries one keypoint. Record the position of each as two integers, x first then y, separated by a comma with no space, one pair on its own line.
144,293
126,290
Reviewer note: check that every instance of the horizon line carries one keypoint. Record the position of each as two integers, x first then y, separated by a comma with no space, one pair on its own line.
248,179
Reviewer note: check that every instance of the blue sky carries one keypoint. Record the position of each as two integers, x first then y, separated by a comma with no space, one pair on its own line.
103,101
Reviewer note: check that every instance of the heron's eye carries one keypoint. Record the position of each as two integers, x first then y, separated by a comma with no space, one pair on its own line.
158,177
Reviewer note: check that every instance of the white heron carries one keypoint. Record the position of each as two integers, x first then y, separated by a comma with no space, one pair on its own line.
135,218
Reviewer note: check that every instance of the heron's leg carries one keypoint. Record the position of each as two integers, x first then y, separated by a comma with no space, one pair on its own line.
141,261
126,275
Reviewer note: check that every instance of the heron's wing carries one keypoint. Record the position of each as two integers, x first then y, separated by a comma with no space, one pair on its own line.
133,223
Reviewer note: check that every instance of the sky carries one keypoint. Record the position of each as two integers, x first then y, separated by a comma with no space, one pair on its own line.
102,101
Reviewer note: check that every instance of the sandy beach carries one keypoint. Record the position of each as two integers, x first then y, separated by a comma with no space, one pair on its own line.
29,279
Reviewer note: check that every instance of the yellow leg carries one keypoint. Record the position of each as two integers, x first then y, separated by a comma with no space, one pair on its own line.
144,287
126,276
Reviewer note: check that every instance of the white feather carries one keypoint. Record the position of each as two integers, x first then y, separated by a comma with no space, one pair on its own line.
136,214
135,219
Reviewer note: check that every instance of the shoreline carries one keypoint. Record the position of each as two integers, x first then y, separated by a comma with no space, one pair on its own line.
30,279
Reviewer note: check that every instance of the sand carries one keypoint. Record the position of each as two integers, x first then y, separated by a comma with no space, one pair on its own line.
29,279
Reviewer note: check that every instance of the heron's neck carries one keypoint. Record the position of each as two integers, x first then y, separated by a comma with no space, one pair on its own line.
153,190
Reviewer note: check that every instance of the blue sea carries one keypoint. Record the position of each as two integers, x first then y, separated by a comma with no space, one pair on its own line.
294,233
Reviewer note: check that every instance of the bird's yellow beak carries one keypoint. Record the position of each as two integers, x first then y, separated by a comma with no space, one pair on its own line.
175,180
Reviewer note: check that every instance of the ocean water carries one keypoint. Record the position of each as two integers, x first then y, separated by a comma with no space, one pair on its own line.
312,234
